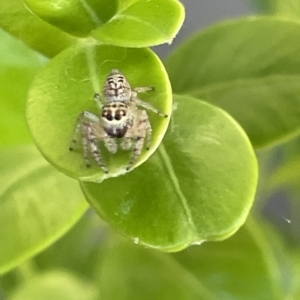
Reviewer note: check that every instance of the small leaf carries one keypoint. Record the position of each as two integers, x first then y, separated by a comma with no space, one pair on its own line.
65,88
76,17
251,68
16,19
142,23
199,185
37,205
55,285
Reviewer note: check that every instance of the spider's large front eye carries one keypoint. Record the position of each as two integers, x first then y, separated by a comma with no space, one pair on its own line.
109,117
118,117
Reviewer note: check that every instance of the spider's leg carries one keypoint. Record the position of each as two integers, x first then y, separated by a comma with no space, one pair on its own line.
143,89
146,105
85,143
84,115
126,143
137,134
90,138
148,133
136,152
86,123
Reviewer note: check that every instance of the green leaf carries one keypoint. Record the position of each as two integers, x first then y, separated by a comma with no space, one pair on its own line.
285,8
87,239
242,267
37,205
296,261
18,65
120,23
251,68
141,273
76,17
198,186
55,285
16,19
142,23
286,173
65,88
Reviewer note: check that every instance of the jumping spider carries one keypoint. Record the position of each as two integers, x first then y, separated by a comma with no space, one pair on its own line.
120,119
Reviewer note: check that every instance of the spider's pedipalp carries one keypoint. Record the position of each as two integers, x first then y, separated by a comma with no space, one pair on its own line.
97,99
110,144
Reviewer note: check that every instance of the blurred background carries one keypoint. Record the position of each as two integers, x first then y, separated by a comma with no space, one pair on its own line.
200,14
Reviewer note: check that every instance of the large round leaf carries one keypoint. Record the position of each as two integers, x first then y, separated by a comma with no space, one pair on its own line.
37,205
251,68
198,186
65,88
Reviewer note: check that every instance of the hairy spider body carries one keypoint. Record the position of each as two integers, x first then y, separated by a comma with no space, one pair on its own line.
120,119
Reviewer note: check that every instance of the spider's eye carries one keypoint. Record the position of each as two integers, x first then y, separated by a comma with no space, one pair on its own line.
118,117
109,117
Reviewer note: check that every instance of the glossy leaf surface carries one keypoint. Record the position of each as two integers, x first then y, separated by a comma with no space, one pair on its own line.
192,189
65,88
142,23
251,68
37,205
16,19
74,16
120,23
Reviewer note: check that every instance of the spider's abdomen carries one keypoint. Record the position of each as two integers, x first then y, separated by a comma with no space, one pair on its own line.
116,87
116,119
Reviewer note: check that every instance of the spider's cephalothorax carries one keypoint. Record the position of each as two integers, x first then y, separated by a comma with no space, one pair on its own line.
120,118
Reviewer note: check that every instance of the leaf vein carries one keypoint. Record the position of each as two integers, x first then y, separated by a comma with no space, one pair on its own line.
175,181
143,22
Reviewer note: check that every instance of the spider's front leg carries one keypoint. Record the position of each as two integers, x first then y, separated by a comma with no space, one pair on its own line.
135,136
144,104
89,125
